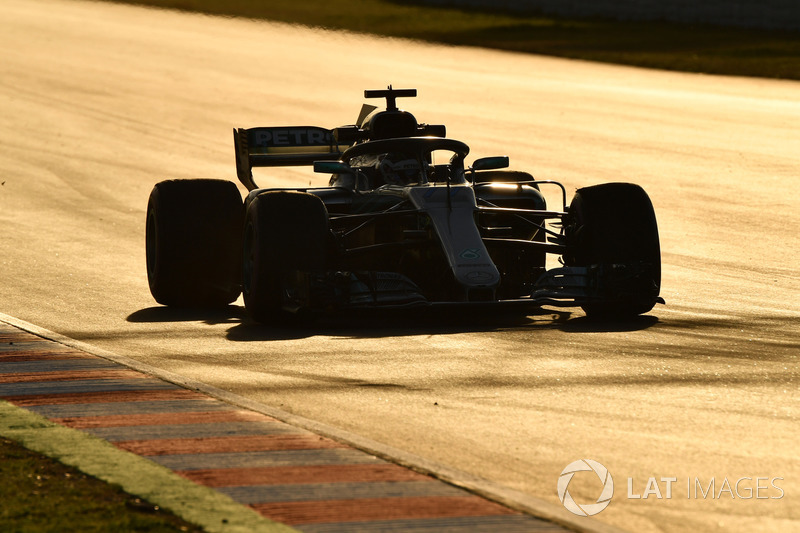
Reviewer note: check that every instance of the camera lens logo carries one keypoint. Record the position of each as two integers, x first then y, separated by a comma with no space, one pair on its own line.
589,509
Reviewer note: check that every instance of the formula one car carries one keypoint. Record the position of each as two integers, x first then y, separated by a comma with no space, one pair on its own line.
404,223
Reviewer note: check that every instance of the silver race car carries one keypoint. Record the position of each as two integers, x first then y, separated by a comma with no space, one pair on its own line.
404,223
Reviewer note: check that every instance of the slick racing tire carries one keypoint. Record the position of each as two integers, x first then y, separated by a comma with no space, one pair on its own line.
285,232
193,242
613,226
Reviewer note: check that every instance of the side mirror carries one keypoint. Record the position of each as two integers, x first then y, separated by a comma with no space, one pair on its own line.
332,167
490,163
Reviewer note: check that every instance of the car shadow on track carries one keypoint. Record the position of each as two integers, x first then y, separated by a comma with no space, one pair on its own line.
585,324
223,315
388,324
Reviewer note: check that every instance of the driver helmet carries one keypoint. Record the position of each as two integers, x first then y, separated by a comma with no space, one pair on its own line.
400,169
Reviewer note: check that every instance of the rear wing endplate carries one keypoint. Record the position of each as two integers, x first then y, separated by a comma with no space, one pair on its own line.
282,146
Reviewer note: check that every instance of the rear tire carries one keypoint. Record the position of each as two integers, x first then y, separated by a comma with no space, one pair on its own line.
284,232
613,225
193,242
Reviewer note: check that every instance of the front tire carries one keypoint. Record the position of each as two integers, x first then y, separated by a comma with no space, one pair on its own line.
613,226
285,232
193,242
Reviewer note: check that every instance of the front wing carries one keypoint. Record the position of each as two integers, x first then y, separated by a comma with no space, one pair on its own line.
336,292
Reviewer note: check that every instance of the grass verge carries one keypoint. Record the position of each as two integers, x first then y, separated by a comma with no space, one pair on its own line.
39,494
708,49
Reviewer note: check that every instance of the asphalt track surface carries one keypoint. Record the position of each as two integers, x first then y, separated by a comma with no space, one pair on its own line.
98,102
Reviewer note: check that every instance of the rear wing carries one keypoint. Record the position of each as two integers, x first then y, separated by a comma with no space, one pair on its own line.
282,146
